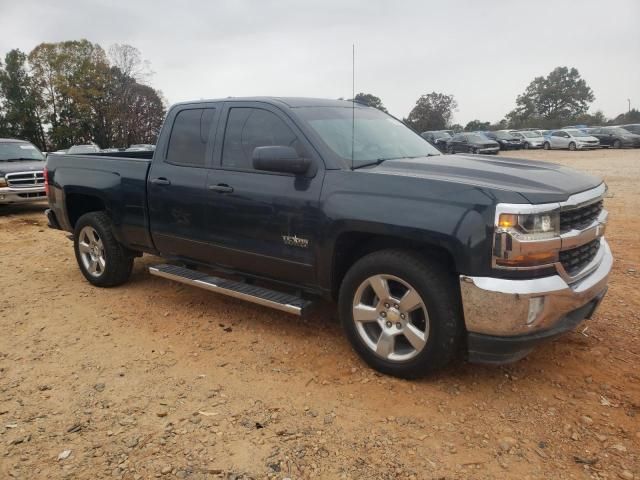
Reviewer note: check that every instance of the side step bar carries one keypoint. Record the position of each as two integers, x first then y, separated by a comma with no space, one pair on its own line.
251,293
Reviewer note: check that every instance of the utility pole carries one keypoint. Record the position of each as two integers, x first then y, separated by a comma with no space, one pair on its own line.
629,102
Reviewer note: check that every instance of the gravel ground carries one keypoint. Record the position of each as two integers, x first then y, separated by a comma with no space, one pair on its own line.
158,380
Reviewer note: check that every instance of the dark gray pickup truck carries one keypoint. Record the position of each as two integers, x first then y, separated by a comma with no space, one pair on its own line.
427,255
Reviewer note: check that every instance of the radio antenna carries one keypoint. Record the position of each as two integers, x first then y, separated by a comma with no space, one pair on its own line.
353,102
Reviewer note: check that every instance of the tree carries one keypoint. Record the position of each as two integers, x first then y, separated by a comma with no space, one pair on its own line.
370,100
475,125
20,113
557,98
433,111
89,96
632,116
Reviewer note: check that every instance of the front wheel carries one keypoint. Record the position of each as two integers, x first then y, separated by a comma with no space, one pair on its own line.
526,145
617,144
450,149
102,260
547,146
472,150
572,147
401,312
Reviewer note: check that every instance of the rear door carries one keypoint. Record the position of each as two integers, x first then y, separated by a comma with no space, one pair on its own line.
558,140
263,223
177,193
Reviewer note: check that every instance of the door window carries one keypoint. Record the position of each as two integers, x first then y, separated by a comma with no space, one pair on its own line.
189,137
248,128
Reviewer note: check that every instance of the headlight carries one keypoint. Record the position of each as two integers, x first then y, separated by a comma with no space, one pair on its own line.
532,226
526,239
3,182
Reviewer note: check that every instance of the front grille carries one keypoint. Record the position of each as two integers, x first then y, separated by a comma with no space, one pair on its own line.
580,217
577,258
25,179
32,195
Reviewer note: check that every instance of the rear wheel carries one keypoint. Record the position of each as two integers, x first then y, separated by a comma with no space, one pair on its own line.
547,146
526,145
401,312
617,144
102,260
572,146
450,149
472,150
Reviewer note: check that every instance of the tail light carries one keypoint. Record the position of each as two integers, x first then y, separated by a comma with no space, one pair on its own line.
46,181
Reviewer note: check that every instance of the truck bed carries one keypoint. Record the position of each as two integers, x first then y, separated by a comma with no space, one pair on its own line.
119,181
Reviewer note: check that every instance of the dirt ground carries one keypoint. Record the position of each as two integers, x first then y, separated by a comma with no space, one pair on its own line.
159,380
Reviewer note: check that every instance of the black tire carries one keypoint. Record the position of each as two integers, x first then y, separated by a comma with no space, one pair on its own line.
118,260
526,145
436,286
450,150
572,146
472,150
617,144
546,146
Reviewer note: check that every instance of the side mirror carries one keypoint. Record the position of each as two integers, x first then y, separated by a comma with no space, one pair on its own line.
279,159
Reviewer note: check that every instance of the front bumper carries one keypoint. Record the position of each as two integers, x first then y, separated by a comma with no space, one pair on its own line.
506,318
587,146
488,150
22,195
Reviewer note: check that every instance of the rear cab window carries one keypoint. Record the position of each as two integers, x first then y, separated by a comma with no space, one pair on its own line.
190,135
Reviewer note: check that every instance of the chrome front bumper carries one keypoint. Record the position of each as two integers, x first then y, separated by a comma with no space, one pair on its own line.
510,308
22,195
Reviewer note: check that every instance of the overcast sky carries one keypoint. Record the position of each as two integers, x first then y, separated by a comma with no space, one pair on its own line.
483,52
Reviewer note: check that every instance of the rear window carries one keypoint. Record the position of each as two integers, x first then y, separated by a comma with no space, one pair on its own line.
189,137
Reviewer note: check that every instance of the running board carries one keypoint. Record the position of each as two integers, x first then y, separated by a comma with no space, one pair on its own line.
251,293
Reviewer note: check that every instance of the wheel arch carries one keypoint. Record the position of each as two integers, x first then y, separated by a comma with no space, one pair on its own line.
351,246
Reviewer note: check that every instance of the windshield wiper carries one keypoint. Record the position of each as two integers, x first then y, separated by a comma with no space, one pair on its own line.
20,159
378,161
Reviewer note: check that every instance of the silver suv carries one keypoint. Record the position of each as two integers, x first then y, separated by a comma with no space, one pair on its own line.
21,172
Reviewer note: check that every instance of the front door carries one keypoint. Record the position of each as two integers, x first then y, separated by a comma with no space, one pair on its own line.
263,223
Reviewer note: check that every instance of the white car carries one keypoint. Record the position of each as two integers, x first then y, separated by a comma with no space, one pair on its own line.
530,138
570,138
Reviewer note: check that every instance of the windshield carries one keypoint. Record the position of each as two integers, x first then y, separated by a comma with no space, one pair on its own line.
530,134
377,136
477,138
577,133
504,136
19,151
444,135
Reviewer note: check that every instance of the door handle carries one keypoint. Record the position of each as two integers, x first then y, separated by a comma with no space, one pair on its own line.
161,181
221,188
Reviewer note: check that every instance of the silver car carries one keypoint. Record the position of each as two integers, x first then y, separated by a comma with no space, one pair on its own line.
570,138
530,138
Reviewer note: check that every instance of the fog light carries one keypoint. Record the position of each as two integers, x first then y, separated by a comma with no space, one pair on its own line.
536,306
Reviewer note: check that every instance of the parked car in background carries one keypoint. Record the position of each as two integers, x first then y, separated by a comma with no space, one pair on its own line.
633,128
571,139
615,137
505,140
142,147
472,143
21,172
530,139
84,149
437,138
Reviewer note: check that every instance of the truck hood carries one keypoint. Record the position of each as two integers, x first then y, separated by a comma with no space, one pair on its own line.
537,182
20,166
